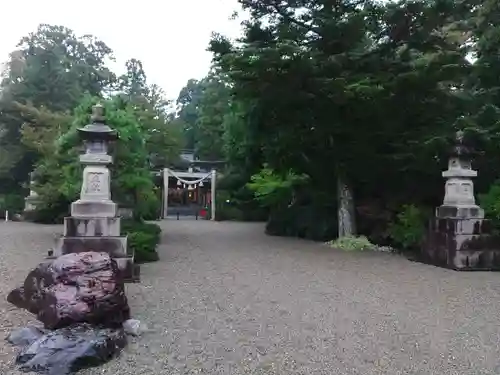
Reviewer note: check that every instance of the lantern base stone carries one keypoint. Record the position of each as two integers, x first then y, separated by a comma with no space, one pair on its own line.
462,244
94,209
460,211
91,227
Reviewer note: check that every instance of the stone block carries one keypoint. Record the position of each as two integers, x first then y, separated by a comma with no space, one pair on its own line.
116,247
92,227
462,244
463,212
461,226
86,208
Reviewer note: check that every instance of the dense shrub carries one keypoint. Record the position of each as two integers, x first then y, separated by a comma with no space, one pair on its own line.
50,211
408,230
490,202
14,203
142,238
308,221
230,207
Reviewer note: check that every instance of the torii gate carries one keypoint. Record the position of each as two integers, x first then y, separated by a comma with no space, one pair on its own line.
199,177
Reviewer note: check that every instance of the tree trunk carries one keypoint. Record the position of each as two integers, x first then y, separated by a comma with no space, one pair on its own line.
346,214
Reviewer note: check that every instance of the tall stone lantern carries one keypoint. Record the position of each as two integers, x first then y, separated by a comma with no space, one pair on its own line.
94,224
95,195
459,237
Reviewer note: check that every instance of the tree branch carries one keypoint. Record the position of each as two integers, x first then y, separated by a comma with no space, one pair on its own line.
274,6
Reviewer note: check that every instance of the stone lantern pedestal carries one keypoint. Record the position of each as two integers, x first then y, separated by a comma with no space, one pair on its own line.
94,224
458,236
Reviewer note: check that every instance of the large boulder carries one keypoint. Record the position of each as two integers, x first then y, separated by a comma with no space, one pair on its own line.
74,288
66,350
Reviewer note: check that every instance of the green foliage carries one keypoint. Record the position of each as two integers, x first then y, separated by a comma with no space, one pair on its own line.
213,107
490,202
352,243
13,203
51,68
204,106
59,175
188,101
369,92
408,230
315,222
50,74
272,189
143,238
52,209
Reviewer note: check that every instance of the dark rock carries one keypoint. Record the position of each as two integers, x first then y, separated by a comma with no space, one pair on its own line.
67,350
74,288
25,336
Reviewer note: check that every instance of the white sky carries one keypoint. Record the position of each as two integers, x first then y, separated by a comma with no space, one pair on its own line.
170,37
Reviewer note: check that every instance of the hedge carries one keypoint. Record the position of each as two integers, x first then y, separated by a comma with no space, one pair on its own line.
142,238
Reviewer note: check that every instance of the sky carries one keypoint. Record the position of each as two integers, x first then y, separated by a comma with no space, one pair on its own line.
170,37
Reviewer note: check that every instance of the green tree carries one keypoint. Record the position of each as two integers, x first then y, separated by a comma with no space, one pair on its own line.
58,177
52,68
214,106
163,138
359,96
188,103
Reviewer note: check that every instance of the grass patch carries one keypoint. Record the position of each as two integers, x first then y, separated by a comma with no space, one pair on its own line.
357,243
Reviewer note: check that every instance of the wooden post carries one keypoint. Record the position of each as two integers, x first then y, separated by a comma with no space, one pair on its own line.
166,175
212,191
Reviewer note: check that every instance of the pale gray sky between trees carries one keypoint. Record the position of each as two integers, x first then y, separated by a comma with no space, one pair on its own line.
170,37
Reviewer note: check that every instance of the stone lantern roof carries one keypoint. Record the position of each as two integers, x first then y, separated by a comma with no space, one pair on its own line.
97,130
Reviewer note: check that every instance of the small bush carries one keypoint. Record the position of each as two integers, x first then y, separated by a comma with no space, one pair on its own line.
352,243
358,243
490,202
312,222
143,239
51,211
408,230
11,202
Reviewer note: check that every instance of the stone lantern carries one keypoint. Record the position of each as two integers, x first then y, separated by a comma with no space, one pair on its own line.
95,195
459,201
459,237
94,224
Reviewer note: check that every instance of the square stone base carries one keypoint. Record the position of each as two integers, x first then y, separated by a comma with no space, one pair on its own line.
91,227
460,212
462,244
91,209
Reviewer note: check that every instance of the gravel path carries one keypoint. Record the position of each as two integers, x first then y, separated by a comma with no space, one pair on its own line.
225,299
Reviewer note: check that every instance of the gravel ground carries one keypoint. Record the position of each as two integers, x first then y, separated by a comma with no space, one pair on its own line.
225,299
